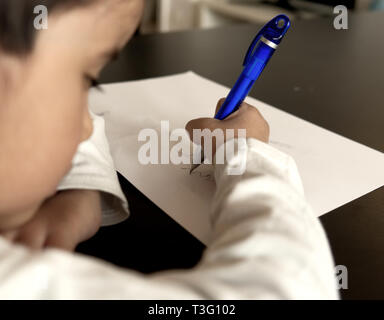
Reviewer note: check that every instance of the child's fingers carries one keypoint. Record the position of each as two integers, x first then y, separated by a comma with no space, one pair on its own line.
219,104
243,107
33,234
10,235
33,238
201,123
61,241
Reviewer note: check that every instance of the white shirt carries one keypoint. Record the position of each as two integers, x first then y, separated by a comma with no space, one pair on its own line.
267,242
93,169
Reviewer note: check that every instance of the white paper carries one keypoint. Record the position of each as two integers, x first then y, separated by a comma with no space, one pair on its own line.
334,170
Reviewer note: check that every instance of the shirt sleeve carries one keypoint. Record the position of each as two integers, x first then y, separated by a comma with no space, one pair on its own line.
267,244
93,169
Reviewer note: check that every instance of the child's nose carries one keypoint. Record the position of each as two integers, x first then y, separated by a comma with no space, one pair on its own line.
87,126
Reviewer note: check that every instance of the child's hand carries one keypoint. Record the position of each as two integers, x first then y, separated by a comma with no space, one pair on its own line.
247,117
63,221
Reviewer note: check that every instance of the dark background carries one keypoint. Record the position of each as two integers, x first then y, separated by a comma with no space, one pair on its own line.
333,78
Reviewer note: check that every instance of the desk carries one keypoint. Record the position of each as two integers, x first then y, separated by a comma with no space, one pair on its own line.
332,78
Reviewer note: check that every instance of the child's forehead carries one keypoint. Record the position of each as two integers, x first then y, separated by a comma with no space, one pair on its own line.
108,18
116,7
109,13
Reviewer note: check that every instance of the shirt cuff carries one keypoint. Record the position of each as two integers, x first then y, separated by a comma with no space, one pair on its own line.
93,169
114,206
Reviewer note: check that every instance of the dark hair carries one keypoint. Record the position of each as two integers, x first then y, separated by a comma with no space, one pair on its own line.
17,33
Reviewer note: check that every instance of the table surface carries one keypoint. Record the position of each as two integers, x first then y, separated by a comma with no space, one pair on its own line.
331,78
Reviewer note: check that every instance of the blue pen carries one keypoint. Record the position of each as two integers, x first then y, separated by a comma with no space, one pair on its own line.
257,57
260,51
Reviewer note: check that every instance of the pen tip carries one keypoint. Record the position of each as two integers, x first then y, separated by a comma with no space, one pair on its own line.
193,167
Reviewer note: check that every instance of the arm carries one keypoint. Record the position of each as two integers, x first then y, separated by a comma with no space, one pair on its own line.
88,196
93,169
64,220
266,244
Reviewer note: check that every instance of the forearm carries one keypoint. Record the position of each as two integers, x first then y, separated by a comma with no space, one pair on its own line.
266,244
85,206
62,221
267,239
93,169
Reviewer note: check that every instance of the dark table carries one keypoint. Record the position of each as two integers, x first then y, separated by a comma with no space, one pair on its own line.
332,78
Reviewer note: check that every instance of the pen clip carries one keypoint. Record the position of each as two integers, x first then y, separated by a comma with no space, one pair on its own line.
273,31
248,55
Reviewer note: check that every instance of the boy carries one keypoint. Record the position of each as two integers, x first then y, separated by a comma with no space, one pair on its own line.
266,244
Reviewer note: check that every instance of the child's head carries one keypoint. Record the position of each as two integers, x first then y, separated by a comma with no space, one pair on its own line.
44,82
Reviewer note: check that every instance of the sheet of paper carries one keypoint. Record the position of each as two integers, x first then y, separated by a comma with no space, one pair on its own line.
334,170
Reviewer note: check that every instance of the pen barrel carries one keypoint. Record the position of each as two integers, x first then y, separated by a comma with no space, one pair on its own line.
258,61
261,55
235,97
